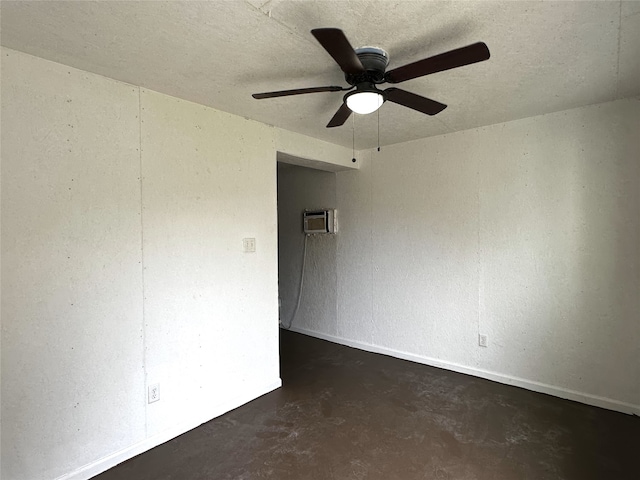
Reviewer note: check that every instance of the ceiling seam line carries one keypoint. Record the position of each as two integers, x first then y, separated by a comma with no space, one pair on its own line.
271,17
292,31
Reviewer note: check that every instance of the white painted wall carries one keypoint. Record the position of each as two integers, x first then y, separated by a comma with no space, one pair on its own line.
209,308
301,188
527,231
72,356
123,213
560,250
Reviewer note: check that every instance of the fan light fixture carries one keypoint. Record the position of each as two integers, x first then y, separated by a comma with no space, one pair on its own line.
366,68
364,102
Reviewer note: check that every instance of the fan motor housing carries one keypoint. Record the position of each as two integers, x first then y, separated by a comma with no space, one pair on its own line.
375,61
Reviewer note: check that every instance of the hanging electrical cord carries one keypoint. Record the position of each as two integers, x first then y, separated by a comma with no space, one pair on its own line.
304,261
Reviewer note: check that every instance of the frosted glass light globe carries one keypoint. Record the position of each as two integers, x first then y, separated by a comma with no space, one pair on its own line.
364,102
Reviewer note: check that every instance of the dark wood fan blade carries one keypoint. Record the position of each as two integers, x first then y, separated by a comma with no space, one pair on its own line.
340,117
336,44
445,61
411,100
297,91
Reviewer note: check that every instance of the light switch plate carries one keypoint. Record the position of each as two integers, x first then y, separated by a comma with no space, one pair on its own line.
249,245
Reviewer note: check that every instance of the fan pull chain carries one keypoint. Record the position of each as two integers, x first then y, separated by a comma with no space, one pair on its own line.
378,129
353,138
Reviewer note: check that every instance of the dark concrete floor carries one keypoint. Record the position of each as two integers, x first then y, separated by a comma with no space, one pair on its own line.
347,414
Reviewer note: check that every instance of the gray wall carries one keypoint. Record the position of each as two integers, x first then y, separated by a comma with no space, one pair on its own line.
301,188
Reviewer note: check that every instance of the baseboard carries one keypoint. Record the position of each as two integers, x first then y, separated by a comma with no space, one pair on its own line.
95,468
585,398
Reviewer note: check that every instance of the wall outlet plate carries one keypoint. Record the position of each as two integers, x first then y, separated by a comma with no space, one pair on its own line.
153,394
483,340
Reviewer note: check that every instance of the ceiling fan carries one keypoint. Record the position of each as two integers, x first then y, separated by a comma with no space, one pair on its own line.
364,69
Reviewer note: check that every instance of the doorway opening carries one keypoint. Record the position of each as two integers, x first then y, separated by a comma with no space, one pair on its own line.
307,296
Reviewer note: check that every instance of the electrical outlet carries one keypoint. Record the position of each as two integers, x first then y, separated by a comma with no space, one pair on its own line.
483,340
153,393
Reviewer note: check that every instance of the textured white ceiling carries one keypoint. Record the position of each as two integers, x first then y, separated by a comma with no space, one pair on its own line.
545,55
